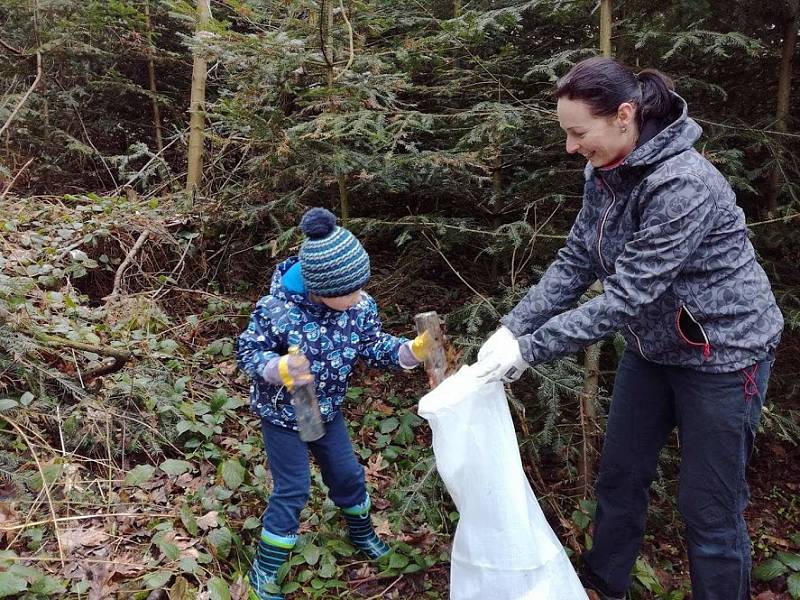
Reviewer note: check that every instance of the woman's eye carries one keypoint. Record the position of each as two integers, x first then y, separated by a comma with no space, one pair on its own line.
580,136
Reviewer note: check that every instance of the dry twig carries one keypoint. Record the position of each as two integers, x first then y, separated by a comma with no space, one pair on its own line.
125,263
39,73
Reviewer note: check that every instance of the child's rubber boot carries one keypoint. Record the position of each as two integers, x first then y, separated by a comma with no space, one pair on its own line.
273,550
362,534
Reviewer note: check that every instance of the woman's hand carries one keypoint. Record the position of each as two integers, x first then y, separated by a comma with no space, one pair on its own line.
500,359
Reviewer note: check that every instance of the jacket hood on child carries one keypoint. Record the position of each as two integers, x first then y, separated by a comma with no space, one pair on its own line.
331,340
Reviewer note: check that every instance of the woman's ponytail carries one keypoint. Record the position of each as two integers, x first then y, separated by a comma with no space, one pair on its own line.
657,100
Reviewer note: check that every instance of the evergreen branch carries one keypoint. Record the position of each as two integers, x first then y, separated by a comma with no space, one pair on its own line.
750,129
496,233
435,245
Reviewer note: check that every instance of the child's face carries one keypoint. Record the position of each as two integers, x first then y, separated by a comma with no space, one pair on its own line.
342,303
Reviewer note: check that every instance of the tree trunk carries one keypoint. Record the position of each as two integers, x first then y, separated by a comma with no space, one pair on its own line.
497,190
783,97
605,27
194,173
330,59
588,410
327,42
591,361
456,8
151,75
344,199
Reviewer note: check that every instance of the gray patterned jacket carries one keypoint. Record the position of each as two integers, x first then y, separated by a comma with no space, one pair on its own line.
662,231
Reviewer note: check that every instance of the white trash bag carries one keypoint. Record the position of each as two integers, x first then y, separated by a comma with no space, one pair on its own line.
503,549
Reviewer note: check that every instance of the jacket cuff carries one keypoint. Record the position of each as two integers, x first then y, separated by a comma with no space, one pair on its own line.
526,349
406,358
513,325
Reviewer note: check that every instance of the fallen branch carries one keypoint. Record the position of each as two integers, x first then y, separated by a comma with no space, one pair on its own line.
120,356
11,48
350,39
125,263
85,517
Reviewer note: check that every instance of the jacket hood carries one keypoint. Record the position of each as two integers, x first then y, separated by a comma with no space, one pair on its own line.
678,136
285,288
659,142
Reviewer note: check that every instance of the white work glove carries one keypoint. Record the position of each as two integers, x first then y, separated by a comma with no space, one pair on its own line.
500,359
500,338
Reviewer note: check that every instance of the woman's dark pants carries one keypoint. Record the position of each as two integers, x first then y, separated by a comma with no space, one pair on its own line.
717,415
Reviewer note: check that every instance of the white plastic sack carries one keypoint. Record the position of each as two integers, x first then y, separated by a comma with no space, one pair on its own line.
503,548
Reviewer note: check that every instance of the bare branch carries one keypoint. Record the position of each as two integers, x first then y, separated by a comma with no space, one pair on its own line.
11,49
128,259
13,181
39,73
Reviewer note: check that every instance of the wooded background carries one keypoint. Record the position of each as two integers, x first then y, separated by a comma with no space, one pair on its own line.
156,157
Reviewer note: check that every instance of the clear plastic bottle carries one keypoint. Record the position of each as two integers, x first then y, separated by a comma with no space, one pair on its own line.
306,409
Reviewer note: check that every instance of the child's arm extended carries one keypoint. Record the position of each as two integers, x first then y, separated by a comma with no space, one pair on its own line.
382,349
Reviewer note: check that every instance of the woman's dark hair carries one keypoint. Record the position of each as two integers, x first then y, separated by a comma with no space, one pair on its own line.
604,83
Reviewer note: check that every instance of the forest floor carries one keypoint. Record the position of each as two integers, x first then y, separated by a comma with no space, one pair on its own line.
148,483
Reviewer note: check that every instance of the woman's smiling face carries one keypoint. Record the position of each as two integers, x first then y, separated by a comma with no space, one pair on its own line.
600,140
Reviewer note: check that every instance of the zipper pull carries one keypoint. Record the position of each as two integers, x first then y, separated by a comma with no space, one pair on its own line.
707,351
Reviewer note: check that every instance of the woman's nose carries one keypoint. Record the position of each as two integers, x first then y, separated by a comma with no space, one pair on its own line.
572,146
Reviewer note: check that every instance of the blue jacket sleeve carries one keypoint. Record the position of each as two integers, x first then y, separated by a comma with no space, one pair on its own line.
677,215
378,348
257,344
567,277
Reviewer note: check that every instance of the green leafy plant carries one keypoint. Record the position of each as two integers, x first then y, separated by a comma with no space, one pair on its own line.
782,564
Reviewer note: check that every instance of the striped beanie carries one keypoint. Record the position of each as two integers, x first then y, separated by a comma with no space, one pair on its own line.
332,261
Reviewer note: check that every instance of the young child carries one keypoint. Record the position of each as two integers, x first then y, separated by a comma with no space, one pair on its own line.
316,303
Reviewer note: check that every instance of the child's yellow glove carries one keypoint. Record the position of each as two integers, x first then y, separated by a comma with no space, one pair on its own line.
422,345
291,369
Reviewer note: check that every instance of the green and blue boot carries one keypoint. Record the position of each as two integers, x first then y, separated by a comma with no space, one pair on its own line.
273,550
362,534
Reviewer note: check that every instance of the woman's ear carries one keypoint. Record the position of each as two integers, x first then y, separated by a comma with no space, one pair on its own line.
626,114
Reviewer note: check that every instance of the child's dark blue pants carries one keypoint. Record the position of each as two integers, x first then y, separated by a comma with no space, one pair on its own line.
291,476
717,415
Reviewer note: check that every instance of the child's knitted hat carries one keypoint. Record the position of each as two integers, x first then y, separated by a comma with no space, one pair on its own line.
332,261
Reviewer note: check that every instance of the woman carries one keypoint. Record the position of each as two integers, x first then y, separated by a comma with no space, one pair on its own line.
660,227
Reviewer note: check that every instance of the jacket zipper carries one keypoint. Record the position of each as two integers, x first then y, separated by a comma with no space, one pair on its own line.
277,395
706,344
600,252
638,341
602,225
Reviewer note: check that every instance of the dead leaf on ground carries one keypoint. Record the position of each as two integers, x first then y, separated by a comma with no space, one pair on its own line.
100,577
208,520
238,589
382,526
376,464
82,537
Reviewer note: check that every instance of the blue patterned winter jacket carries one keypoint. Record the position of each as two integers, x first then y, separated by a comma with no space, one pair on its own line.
664,234
331,340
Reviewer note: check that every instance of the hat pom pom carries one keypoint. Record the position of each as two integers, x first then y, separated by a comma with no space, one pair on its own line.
318,223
